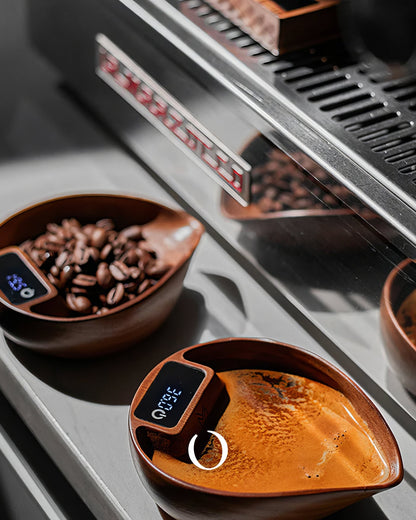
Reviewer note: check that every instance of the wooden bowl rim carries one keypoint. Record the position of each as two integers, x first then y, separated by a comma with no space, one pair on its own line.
391,481
196,226
386,299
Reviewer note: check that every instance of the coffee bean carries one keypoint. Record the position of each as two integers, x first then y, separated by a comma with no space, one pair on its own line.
84,280
81,255
115,295
79,304
132,232
104,276
66,275
55,271
98,237
119,270
94,266
130,257
144,286
105,223
106,252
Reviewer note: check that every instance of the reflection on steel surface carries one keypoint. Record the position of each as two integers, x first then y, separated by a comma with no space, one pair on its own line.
153,102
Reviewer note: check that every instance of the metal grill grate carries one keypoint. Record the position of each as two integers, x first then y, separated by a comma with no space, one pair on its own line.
371,111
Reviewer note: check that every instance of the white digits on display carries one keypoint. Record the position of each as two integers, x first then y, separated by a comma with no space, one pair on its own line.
166,403
224,448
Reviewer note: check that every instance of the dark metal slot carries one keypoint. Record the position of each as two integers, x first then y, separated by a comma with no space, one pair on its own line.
234,32
324,83
345,102
244,42
204,10
223,26
257,51
193,4
400,156
398,85
407,170
380,132
359,125
288,66
213,18
307,73
407,96
352,113
269,60
393,143
333,92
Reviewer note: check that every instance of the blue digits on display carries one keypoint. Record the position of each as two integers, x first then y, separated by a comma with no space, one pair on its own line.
16,282
169,398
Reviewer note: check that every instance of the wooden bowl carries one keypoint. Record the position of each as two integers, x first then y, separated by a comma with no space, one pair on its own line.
184,501
400,350
174,236
317,229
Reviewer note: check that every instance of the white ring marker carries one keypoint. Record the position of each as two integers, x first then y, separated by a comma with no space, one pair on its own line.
224,449
27,292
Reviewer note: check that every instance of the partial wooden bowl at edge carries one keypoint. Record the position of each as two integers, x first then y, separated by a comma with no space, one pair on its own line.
174,235
401,352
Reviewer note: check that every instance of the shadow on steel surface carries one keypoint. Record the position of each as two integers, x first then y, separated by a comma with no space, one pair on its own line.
114,379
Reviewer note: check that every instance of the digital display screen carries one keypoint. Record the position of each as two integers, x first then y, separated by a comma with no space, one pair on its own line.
170,394
17,281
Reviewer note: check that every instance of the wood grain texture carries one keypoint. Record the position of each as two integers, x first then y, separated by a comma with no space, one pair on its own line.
185,501
174,236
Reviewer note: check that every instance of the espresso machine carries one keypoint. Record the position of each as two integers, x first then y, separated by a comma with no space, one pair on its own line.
188,102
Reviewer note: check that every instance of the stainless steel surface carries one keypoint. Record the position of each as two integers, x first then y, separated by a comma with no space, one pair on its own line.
336,295
340,131
237,285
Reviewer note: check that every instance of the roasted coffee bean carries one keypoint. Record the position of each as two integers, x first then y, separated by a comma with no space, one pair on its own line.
132,232
279,184
105,223
55,271
104,276
119,270
81,255
63,259
54,280
79,304
94,266
84,280
115,295
106,252
98,237
53,228
144,286
79,290
66,275
136,273
130,257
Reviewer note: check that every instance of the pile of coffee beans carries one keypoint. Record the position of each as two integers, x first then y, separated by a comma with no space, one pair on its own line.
94,267
280,184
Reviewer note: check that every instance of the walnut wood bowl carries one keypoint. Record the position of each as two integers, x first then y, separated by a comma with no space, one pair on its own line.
184,501
174,236
328,230
400,350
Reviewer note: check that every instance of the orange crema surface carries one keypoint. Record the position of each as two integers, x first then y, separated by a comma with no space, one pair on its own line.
284,433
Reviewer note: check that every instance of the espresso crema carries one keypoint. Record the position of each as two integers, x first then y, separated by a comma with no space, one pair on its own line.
284,433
